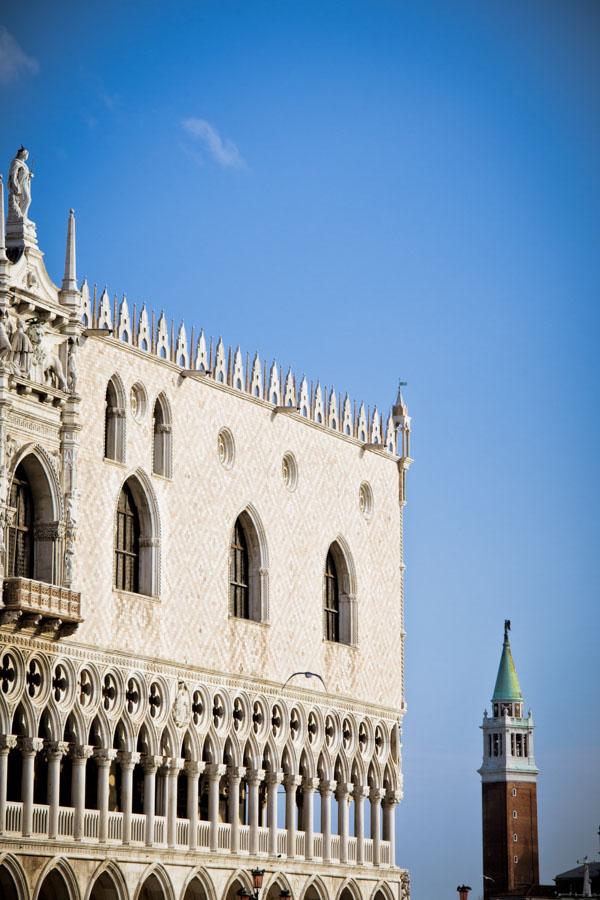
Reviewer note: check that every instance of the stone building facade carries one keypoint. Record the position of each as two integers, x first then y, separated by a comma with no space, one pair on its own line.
201,638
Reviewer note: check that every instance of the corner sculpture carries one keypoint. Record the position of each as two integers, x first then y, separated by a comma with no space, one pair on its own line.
19,187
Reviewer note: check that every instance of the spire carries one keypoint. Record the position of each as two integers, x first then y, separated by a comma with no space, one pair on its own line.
69,282
399,409
507,682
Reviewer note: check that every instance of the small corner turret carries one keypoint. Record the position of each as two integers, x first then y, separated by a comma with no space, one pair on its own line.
401,421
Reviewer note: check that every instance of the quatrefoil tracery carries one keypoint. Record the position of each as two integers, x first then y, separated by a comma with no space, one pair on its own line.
8,673
34,679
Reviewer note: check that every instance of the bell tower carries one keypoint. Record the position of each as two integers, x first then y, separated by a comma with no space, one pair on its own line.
509,786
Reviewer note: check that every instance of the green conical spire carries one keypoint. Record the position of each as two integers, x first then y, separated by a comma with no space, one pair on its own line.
507,682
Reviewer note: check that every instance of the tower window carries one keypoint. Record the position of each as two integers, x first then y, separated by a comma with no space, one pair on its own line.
514,792
515,837
516,858
514,814
497,745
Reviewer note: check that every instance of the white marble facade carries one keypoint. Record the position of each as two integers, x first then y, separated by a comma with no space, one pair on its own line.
152,742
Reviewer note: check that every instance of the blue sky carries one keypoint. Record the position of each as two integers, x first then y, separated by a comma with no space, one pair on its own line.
370,190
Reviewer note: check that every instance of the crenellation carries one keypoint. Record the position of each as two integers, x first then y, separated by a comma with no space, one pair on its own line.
226,366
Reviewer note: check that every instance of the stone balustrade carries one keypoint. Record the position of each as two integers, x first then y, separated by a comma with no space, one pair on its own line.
46,607
91,825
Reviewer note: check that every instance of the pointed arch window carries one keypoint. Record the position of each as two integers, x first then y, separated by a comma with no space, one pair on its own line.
239,587
248,575
332,600
33,545
114,421
20,532
339,597
162,449
127,543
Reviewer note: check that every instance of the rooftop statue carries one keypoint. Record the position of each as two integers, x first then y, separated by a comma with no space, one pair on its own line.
19,186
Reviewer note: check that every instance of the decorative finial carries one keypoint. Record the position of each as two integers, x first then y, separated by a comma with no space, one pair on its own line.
506,628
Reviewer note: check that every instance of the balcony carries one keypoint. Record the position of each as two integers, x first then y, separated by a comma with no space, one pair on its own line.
46,608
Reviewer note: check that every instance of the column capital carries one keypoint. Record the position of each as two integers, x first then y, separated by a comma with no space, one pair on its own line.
151,763
215,770
104,756
360,791
81,751
376,795
7,742
274,777
310,784
194,767
30,745
128,758
292,781
255,776
327,786
392,798
56,749
236,773
343,789
174,763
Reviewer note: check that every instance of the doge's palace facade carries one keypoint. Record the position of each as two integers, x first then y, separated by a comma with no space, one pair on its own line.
201,635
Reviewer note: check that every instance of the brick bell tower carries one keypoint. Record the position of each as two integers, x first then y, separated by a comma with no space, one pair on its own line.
509,786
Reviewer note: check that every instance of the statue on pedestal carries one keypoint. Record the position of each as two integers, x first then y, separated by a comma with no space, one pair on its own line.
20,230
19,186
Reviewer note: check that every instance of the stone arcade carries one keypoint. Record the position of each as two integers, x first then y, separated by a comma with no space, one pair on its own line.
182,531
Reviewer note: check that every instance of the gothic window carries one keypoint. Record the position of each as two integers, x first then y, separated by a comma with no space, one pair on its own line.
20,532
248,584
339,597
161,457
114,421
127,543
332,600
33,548
238,577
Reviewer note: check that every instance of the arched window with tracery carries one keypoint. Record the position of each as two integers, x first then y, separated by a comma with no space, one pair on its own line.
248,574
114,421
33,545
127,543
339,596
332,600
137,538
162,447
20,531
239,582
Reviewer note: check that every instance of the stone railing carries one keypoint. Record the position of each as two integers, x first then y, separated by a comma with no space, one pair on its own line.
40,825
45,607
